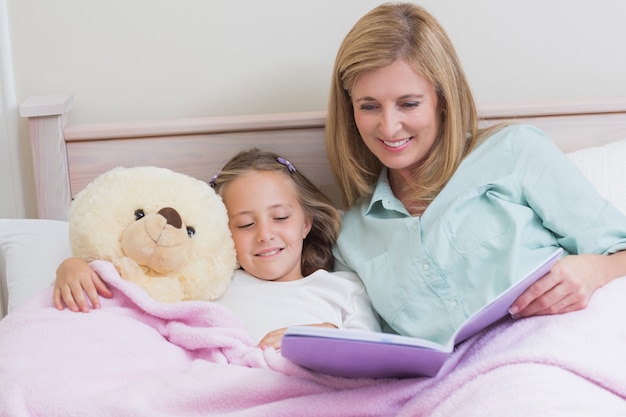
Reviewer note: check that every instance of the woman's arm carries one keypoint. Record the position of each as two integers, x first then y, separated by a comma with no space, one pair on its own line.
582,222
570,284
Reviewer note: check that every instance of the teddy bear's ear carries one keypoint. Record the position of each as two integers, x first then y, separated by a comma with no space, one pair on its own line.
94,226
215,256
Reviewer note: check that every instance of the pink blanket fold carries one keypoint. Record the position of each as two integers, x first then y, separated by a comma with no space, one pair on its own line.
137,357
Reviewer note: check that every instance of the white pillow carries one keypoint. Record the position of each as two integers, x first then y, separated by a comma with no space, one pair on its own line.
605,167
30,252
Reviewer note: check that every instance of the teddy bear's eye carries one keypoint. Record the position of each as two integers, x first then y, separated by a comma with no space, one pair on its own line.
191,231
139,214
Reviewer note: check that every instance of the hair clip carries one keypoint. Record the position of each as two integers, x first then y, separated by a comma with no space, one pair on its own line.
286,163
213,179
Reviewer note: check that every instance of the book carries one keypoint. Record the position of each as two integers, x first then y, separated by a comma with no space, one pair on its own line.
365,354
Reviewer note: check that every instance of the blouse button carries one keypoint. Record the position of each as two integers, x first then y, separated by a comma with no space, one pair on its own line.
425,267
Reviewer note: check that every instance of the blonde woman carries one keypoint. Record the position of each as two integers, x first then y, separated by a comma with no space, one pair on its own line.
442,215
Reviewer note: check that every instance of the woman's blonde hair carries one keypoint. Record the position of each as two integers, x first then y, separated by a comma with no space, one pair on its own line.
326,219
388,33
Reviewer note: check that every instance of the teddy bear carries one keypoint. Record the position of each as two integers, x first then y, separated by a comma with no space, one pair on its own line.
164,231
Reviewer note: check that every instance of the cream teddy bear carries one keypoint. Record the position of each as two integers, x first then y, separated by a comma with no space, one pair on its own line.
165,231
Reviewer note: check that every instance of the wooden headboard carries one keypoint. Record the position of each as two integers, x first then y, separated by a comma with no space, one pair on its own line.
67,157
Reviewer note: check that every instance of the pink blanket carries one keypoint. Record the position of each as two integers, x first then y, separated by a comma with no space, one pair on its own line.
136,357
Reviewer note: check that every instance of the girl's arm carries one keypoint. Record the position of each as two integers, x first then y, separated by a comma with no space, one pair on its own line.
74,279
275,337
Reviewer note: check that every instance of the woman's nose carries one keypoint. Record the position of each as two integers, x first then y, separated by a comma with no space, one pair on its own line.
389,123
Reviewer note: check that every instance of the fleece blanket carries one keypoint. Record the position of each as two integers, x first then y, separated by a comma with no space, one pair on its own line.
137,357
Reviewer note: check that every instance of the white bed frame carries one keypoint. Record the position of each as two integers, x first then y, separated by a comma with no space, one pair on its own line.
66,157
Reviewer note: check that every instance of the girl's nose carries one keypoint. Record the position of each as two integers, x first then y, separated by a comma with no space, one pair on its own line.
264,232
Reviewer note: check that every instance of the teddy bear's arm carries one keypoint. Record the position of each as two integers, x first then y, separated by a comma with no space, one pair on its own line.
163,289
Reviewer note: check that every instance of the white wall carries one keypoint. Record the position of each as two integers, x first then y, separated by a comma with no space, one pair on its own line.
150,59
12,201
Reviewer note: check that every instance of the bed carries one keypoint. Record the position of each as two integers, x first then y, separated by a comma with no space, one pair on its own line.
180,360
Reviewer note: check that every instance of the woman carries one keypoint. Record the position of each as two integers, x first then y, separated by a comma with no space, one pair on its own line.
443,215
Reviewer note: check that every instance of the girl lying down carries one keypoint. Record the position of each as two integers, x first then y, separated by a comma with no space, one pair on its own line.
283,227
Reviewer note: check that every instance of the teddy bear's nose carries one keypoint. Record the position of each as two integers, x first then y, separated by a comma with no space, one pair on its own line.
172,217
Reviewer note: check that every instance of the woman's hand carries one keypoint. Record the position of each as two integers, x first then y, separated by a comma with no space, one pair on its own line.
569,285
273,338
74,279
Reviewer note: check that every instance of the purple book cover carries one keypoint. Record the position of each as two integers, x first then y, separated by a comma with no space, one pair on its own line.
364,354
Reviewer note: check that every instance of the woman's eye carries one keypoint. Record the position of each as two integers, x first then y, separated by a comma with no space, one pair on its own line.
191,231
367,107
139,214
244,226
281,218
411,104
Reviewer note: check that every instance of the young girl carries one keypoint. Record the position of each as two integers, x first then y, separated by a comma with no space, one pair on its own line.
283,228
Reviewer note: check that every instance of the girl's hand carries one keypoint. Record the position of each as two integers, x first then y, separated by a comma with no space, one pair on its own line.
569,285
74,278
274,338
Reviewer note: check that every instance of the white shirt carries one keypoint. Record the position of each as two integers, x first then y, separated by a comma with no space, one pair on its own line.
337,298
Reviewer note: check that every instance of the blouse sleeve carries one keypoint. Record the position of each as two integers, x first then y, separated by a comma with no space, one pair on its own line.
563,198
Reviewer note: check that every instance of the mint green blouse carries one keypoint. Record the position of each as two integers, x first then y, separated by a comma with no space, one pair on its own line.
512,201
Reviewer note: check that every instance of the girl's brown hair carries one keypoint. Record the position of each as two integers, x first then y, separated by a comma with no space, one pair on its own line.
326,219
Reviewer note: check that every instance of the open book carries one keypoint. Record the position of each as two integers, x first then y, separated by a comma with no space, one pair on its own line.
364,354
